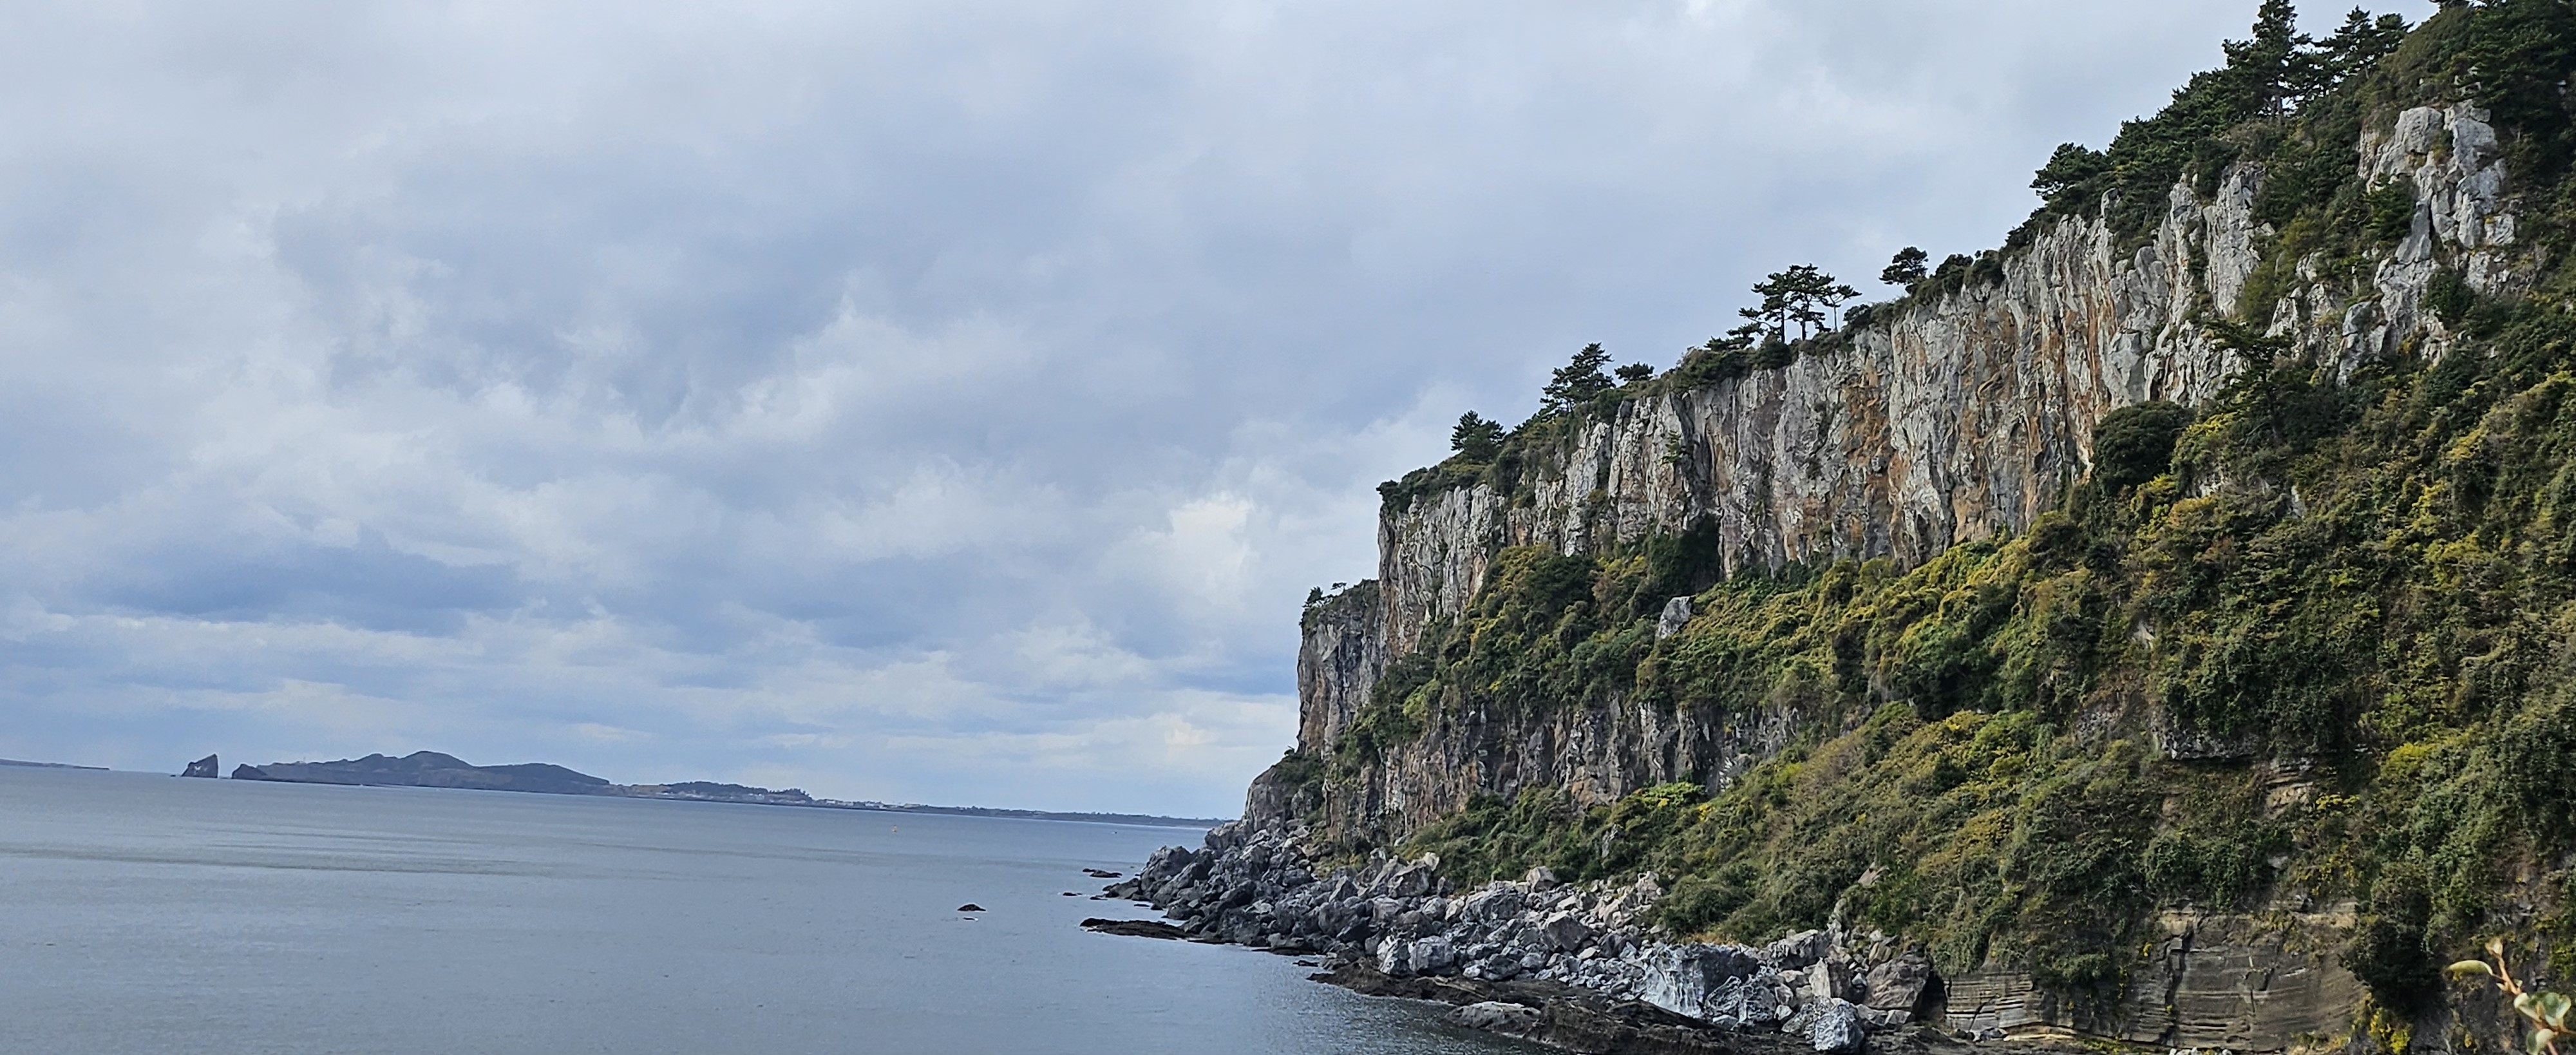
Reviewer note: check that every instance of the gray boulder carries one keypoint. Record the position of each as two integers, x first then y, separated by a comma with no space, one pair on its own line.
1494,903
1835,1028
1894,988
1567,932
1677,614
1496,1015
1682,978
1410,881
1805,948
1394,957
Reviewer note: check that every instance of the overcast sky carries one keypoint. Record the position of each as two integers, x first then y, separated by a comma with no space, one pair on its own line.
927,401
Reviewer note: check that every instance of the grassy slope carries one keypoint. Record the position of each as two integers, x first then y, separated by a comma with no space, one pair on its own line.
2370,582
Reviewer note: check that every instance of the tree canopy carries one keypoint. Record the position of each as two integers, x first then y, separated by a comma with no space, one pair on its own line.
1800,297
1907,268
1476,438
1577,381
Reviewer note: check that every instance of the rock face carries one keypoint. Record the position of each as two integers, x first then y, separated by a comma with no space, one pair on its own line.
2245,983
1341,648
1950,419
1946,419
208,767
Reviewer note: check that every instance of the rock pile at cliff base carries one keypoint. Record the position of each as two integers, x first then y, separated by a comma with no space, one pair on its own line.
1578,960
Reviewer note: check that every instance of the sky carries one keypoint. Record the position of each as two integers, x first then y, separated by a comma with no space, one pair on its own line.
914,401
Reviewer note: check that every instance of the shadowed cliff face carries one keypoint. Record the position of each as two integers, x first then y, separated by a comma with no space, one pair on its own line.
1944,420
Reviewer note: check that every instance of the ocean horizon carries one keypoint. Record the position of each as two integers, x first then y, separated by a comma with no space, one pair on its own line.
148,913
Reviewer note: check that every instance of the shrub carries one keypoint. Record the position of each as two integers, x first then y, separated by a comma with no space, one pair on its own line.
2135,443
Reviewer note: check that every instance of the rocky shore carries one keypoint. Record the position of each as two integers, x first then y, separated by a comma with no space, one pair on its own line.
1577,966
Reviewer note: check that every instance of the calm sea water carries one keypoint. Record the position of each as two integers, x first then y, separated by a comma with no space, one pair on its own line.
142,913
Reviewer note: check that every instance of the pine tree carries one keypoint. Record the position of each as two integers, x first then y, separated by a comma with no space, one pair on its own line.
2268,69
1907,269
2362,41
1799,296
1577,381
1635,374
1476,439
2069,172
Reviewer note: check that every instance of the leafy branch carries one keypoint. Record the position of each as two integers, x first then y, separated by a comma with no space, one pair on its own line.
2546,1011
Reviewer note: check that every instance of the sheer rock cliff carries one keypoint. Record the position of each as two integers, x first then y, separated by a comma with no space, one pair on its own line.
1939,420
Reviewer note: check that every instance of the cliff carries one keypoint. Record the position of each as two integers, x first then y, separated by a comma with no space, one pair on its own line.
2074,620
1962,417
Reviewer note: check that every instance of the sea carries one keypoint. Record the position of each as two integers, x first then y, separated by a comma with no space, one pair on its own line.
142,913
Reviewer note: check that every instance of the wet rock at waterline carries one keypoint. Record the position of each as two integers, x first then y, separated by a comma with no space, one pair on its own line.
1135,928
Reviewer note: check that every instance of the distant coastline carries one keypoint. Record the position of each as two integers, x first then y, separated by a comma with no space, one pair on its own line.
47,765
431,769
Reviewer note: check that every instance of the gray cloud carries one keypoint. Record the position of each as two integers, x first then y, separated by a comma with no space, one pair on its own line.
918,401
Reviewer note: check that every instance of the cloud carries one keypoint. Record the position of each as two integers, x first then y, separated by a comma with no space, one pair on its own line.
909,400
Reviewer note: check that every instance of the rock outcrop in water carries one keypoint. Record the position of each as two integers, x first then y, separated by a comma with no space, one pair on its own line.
208,767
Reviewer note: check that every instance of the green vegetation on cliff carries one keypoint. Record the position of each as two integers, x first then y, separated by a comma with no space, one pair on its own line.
2312,641
2365,589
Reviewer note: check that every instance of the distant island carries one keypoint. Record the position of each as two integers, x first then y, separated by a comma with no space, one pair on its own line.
430,769
45,765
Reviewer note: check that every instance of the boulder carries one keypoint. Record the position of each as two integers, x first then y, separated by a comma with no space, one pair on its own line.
1896,987
1682,978
1835,1028
1677,614
1748,1002
1798,951
1394,957
1495,1015
1411,881
1540,877
1567,932
1495,903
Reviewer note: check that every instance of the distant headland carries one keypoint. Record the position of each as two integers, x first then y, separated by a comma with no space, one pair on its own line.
44,765
430,769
